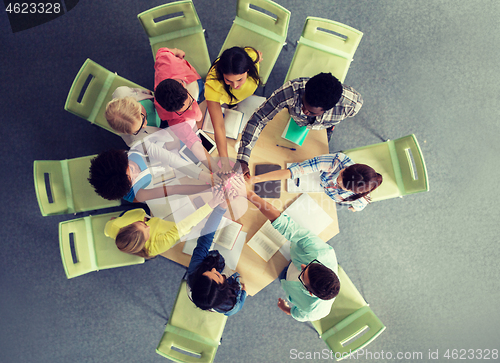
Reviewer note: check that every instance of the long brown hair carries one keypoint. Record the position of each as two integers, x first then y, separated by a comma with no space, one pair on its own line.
235,60
361,180
131,240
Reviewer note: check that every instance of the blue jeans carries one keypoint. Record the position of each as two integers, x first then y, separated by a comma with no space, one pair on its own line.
282,275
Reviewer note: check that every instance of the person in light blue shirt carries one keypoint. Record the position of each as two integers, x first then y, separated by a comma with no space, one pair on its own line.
310,281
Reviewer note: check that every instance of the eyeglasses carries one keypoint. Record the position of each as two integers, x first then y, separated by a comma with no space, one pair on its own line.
140,128
304,270
187,108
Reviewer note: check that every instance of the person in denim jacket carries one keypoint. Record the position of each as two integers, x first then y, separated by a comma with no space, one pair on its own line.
211,289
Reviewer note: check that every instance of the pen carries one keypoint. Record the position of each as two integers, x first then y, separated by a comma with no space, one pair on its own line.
289,148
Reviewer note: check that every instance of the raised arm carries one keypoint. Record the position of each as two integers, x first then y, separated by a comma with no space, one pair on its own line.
217,117
266,208
272,175
266,112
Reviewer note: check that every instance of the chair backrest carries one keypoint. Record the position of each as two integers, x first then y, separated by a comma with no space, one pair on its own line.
192,334
84,247
277,23
411,165
91,91
62,187
351,324
176,25
324,46
254,27
401,164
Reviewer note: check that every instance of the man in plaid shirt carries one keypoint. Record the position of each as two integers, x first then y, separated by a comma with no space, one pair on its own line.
320,102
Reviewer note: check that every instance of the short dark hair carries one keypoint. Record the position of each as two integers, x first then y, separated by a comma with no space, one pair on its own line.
170,94
323,282
323,90
108,174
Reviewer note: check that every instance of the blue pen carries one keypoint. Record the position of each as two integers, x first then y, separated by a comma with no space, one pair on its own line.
289,148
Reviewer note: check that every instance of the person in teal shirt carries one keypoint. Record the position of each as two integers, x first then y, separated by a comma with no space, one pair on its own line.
310,281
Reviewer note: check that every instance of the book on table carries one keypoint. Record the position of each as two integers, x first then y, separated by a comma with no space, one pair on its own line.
295,133
309,183
303,211
267,241
232,122
227,233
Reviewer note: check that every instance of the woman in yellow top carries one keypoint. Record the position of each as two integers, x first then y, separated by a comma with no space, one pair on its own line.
233,77
137,235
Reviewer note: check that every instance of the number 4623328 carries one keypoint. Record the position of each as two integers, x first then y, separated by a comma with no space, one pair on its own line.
471,354
34,8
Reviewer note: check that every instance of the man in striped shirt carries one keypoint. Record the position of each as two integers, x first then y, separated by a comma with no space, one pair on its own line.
320,102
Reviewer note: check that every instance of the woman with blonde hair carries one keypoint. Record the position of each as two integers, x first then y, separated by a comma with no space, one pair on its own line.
137,234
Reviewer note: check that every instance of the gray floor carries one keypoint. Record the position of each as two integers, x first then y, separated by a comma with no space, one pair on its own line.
427,264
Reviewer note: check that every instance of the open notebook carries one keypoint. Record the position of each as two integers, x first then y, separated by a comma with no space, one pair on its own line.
309,183
304,211
232,122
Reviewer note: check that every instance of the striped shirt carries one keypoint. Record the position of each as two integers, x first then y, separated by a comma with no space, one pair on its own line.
289,96
329,166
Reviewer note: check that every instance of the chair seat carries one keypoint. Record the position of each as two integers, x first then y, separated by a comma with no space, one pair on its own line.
346,303
191,330
190,44
240,36
93,251
188,317
379,158
96,96
84,196
323,62
351,324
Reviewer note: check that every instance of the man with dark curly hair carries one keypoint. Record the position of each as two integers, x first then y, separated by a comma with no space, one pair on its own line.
320,102
116,174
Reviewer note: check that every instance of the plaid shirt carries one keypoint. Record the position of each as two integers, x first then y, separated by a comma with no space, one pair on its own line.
329,166
289,96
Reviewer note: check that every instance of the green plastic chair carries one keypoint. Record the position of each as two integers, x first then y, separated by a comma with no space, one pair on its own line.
62,187
324,46
401,164
253,27
351,324
85,248
90,102
192,335
182,31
